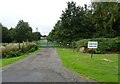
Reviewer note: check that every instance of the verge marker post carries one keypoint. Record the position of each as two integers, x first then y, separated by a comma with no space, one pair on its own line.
92,53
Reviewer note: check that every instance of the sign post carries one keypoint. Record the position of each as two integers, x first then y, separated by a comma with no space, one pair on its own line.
92,45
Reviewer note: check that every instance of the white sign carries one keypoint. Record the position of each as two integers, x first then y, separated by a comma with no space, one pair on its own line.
92,44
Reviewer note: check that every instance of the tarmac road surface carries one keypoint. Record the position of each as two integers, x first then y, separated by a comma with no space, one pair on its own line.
43,66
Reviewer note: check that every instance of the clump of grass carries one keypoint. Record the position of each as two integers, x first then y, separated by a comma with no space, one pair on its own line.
17,49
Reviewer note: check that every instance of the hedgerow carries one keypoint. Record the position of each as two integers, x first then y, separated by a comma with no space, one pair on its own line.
105,45
17,49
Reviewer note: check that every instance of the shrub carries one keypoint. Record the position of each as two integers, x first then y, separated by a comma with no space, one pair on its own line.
36,47
104,44
17,49
82,43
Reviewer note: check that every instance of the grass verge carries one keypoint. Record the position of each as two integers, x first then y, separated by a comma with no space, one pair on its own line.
102,67
6,61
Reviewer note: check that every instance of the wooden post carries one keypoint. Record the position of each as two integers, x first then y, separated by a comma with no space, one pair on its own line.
92,53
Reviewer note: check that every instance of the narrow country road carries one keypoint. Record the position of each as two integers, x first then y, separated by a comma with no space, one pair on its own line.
43,66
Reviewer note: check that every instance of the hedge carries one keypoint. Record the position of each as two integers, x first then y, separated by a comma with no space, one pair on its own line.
105,45
17,49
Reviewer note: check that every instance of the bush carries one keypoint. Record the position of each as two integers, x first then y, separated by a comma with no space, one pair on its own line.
104,44
36,47
17,49
82,43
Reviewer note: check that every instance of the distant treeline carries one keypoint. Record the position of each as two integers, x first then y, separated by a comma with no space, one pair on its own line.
100,20
22,32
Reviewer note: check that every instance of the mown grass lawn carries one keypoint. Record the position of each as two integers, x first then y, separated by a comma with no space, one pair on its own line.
6,61
102,67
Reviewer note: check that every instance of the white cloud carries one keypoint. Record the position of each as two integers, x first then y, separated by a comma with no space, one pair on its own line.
41,14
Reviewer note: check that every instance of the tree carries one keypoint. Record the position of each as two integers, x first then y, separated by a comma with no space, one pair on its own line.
104,15
101,19
74,24
0,33
23,31
116,23
36,36
5,35
12,32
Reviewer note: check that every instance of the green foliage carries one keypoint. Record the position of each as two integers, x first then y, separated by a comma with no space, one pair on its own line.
5,34
12,32
72,25
104,16
17,49
104,44
36,36
22,32
82,43
36,47
100,20
0,33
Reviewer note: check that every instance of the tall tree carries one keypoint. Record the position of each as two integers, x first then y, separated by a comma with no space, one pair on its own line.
5,35
74,24
116,23
23,31
36,36
0,33
104,15
12,32
101,19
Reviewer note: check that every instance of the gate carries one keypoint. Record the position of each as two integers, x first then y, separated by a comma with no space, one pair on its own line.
46,44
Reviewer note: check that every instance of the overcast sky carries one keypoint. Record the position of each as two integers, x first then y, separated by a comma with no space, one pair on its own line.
41,14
